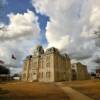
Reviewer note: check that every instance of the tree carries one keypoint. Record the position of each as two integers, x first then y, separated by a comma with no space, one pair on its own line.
93,74
4,70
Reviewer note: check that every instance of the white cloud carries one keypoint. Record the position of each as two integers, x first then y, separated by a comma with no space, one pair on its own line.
70,29
71,26
19,48
18,37
20,26
66,19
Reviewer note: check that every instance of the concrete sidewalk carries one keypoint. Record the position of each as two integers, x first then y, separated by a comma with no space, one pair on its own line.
73,94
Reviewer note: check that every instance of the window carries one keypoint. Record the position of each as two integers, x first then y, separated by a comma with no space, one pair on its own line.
35,64
24,75
48,75
48,65
34,73
40,64
30,75
47,58
40,74
43,63
57,74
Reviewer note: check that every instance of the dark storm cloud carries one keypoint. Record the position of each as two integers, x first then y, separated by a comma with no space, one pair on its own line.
97,60
78,56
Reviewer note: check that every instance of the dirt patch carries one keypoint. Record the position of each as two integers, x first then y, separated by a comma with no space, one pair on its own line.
32,91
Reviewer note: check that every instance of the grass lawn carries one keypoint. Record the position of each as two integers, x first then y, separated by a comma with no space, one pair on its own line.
90,88
47,91
31,91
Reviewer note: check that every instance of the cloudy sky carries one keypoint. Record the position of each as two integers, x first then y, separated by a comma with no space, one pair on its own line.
72,26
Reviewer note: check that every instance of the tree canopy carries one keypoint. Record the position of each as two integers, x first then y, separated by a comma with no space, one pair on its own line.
4,70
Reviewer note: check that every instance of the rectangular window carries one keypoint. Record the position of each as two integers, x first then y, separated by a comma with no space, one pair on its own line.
40,64
34,64
48,64
48,75
34,73
43,63
40,74
47,58
24,75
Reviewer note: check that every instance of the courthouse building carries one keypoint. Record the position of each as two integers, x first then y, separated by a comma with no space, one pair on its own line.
97,73
48,66
79,71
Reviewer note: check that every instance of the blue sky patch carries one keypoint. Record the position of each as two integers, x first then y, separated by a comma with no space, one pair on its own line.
21,6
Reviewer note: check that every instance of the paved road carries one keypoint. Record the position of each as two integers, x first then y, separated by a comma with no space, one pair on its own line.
73,94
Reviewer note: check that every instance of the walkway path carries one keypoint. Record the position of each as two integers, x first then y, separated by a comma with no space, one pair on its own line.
73,94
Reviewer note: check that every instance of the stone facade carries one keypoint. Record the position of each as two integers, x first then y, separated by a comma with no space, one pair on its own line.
79,72
48,66
97,73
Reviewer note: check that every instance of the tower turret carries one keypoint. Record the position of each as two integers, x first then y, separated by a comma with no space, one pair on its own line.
39,50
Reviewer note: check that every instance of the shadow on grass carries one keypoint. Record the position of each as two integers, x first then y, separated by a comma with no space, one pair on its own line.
3,92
